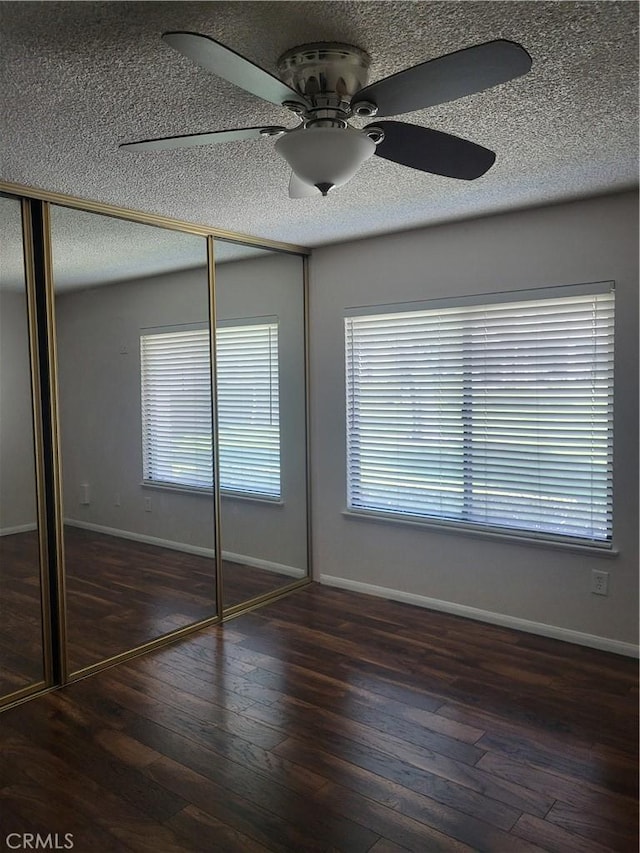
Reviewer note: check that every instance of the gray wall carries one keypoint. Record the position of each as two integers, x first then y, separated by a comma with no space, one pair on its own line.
100,411
17,471
592,240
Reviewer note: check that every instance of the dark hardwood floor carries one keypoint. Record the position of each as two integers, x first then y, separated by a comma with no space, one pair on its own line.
120,594
20,612
331,721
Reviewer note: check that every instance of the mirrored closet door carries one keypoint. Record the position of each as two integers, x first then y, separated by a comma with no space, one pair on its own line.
153,451
261,413
135,417
22,637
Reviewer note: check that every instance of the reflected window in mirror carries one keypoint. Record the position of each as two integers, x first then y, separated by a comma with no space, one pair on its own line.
249,407
176,407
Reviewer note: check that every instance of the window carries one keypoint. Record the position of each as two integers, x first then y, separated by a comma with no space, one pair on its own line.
248,407
495,415
176,407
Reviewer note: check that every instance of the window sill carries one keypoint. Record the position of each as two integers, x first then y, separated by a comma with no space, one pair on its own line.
208,493
174,487
247,496
479,533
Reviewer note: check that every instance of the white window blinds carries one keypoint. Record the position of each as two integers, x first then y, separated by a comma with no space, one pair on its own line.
176,407
248,408
495,415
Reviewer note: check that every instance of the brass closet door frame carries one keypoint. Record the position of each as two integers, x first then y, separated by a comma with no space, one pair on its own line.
39,410
37,245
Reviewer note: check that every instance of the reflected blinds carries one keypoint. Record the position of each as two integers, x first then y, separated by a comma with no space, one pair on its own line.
497,415
248,408
176,408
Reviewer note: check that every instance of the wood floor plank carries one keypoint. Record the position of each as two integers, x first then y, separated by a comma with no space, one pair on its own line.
160,677
208,753
399,829
179,688
382,682
396,657
267,669
262,814
69,801
77,749
386,846
34,812
555,839
17,815
479,836
516,796
293,715
363,663
596,826
364,754
584,795
186,655
550,732
308,688
210,725
621,775
205,832
248,691
21,656
457,658
570,716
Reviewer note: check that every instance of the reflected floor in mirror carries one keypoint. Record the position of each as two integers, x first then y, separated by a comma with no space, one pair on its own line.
120,594
20,612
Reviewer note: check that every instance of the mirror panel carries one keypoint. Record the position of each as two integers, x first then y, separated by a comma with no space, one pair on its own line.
21,635
261,409
132,318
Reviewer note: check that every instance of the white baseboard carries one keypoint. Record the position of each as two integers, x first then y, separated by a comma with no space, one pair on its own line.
186,548
141,537
18,528
605,644
268,565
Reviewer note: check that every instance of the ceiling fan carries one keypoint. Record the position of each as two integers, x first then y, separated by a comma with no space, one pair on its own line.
325,84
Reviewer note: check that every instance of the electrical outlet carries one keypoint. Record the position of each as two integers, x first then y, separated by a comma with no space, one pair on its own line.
599,582
147,504
116,499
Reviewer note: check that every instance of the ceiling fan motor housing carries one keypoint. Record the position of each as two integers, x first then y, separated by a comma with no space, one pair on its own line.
327,74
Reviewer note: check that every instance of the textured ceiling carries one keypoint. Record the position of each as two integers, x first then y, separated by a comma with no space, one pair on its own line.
78,78
89,250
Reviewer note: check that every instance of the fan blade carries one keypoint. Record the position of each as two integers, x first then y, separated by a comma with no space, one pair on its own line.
299,189
432,151
447,77
193,139
229,65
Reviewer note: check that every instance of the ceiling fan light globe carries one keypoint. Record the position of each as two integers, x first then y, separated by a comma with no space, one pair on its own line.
325,155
